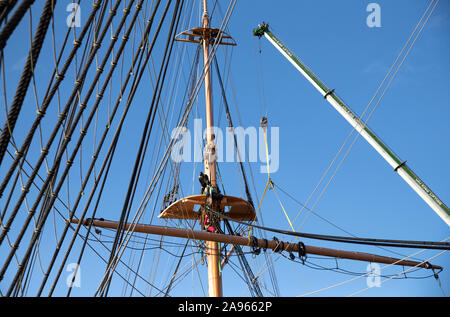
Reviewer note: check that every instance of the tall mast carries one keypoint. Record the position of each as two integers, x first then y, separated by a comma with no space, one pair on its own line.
210,163
210,200
212,248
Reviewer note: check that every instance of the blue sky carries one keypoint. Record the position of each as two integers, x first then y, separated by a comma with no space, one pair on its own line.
366,197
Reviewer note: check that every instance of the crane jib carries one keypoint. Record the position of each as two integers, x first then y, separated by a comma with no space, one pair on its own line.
398,165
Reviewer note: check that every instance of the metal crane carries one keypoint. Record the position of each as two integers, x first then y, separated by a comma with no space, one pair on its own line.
398,165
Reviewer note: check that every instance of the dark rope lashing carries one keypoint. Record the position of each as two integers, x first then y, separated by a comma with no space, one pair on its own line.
254,244
301,252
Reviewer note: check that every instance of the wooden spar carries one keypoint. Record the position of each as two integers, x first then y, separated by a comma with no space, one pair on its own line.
260,243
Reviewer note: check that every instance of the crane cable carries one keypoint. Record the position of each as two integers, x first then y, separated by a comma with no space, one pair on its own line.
269,181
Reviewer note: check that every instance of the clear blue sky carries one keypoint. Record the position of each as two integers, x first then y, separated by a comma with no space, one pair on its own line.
365,198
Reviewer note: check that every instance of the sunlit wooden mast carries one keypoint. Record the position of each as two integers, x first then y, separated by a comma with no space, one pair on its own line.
184,208
213,251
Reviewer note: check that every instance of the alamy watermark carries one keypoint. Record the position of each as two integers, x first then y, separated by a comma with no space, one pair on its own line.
374,276
188,146
74,18
374,18
74,278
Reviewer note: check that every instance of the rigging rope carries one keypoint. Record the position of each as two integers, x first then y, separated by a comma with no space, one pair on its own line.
104,286
47,99
12,23
57,160
27,73
112,147
5,8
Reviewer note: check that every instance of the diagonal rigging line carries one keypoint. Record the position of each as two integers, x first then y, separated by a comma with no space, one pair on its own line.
176,269
144,139
51,90
253,283
145,134
58,158
137,275
45,104
155,201
328,221
81,253
115,138
104,260
152,113
111,150
367,107
165,155
230,124
163,124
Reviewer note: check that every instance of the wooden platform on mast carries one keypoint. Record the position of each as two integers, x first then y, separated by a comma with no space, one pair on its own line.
185,208
195,35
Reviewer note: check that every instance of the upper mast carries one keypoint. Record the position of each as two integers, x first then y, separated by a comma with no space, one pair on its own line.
213,251
210,163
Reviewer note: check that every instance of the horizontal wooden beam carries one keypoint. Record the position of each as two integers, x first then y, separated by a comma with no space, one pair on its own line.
260,243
